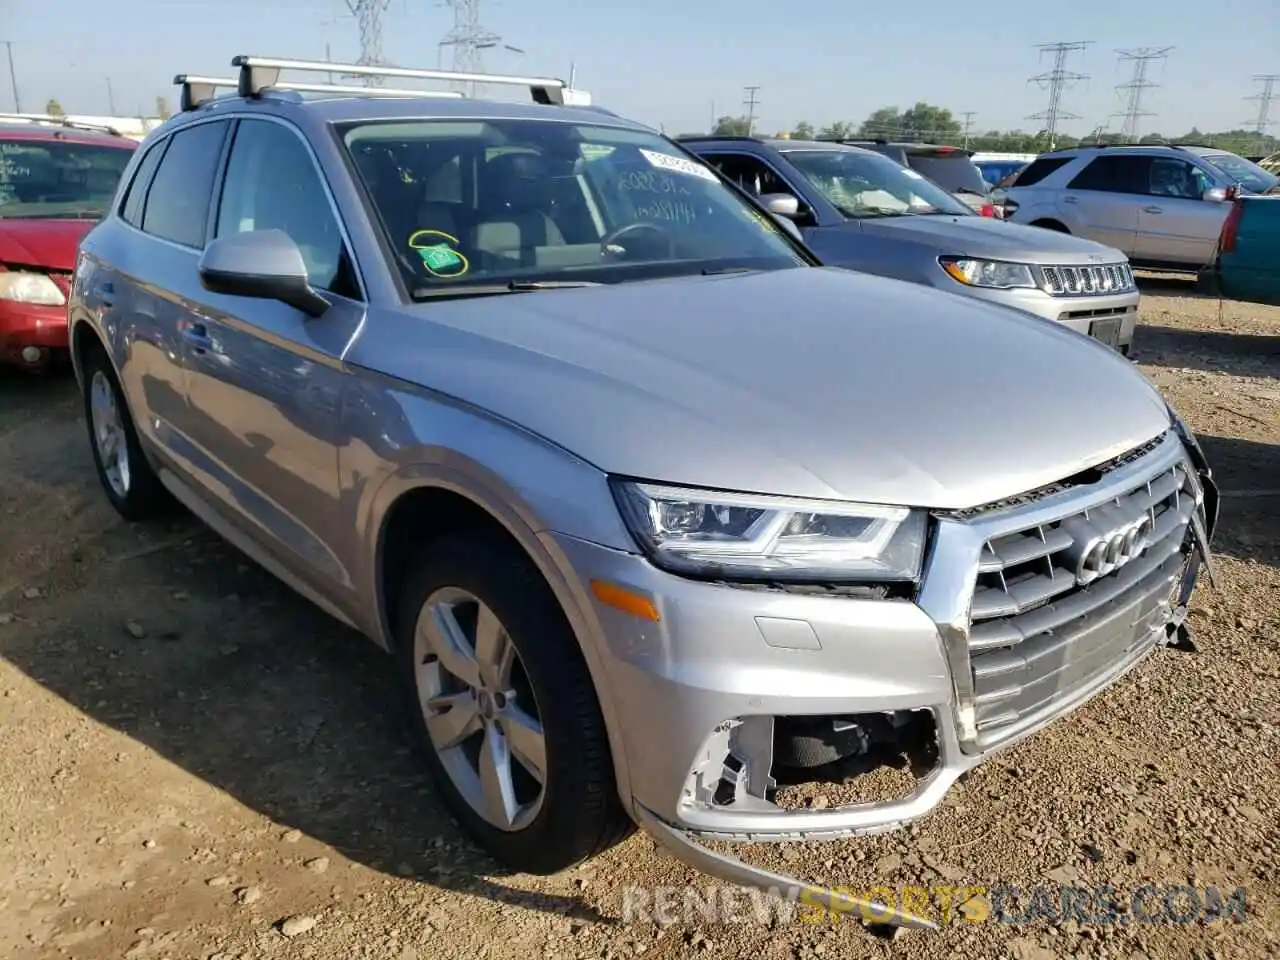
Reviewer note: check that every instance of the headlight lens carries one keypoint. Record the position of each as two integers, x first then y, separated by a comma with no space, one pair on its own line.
26,287
992,274
745,536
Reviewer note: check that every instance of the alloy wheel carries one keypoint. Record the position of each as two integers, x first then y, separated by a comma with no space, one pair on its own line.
109,435
481,715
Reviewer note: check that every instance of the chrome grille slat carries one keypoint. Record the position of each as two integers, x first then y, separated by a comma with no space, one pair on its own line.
1113,634
1087,280
1021,547
1025,597
1036,632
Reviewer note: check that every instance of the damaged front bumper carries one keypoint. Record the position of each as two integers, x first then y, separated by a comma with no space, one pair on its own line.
705,692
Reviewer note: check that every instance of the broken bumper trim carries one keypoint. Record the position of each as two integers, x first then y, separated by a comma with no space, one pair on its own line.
731,870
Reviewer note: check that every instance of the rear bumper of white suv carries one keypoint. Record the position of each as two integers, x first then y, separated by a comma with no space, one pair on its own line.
1001,640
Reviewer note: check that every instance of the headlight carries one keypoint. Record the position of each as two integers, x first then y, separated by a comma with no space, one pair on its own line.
992,274
25,287
745,536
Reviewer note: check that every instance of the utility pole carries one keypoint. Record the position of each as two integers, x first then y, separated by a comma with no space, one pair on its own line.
1055,81
1136,87
13,77
968,122
1263,120
750,102
111,98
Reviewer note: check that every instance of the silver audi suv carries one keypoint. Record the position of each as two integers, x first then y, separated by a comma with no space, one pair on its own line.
646,504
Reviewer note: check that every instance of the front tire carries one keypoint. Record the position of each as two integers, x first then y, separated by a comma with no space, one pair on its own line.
131,485
504,706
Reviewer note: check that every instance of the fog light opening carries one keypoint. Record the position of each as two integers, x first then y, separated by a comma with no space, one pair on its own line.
32,355
854,759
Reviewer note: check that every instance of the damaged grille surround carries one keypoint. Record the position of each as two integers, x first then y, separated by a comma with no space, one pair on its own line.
1041,602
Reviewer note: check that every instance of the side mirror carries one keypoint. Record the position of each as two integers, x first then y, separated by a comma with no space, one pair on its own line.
1215,195
781,204
264,264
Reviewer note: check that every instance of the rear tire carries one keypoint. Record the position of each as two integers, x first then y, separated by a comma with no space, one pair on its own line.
516,741
126,476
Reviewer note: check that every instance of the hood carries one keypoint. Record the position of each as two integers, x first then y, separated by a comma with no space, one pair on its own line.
50,244
989,237
814,382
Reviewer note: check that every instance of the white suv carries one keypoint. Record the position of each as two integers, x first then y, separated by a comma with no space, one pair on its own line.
1163,206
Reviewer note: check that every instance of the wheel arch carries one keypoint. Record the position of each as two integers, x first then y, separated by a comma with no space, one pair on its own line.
422,501
1050,223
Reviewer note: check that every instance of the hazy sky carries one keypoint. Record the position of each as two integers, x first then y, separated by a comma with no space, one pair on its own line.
669,61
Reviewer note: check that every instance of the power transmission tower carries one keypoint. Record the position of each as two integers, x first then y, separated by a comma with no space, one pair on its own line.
469,38
750,102
1136,87
1055,81
368,14
968,122
1263,120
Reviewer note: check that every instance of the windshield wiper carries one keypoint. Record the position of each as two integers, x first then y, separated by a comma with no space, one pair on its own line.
493,289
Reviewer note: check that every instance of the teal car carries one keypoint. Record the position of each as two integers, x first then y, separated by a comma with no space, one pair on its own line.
1246,263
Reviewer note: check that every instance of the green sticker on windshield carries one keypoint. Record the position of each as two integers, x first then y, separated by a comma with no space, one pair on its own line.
439,257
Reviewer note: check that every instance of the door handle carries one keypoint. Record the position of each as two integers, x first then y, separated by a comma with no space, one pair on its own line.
196,335
105,293
1068,199
1152,210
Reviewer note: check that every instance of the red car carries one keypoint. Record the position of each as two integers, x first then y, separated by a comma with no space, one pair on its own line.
56,181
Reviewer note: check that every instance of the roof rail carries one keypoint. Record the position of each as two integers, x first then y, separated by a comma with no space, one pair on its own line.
62,122
717,136
197,91
262,73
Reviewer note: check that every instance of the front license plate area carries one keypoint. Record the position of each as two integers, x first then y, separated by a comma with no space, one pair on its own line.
1107,331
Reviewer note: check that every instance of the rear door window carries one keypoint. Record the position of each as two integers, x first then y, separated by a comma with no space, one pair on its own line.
1115,174
177,205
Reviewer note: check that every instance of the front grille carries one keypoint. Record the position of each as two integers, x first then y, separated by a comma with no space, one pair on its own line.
1076,281
1060,605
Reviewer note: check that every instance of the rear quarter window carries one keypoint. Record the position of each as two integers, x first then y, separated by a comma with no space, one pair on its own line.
1040,168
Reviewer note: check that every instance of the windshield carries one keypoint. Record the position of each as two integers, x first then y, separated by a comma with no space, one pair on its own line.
868,185
1249,175
50,178
526,201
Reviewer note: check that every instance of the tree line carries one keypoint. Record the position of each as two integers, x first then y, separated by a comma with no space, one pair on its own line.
925,122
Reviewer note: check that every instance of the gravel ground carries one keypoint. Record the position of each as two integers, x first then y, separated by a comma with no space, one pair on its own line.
195,764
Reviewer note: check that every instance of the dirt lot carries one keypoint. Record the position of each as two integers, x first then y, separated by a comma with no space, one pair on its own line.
190,755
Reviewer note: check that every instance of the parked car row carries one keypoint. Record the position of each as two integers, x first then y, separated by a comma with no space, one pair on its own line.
861,210
650,505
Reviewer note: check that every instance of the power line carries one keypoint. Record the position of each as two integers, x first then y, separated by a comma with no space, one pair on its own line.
470,39
1141,59
1263,120
368,14
1055,81
750,102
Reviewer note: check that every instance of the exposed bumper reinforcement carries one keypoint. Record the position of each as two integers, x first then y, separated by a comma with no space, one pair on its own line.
731,870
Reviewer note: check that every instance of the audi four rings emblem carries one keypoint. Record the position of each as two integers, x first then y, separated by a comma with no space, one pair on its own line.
1113,550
